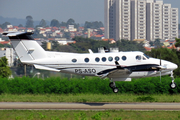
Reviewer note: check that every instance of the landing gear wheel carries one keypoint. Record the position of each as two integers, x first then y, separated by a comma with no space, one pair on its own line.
173,85
115,90
111,85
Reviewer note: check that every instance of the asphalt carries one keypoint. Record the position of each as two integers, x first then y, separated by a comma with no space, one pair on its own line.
88,106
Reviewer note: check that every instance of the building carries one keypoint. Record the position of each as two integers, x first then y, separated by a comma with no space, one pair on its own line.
9,54
140,19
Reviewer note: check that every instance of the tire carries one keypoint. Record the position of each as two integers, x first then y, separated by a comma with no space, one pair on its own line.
173,85
111,85
115,90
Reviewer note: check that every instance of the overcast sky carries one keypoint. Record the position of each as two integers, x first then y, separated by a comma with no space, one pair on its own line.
62,10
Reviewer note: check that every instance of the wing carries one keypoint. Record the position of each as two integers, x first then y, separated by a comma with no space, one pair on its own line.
114,72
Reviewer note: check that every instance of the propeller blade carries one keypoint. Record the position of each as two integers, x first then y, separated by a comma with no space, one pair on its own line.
160,59
160,75
160,68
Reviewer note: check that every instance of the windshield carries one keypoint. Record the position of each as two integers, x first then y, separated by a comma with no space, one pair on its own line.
146,56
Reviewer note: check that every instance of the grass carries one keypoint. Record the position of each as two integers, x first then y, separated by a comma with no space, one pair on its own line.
88,115
83,98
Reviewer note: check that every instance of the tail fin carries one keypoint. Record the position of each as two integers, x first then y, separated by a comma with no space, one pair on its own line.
25,46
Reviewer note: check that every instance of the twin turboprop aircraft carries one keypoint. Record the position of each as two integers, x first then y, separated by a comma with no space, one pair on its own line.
118,66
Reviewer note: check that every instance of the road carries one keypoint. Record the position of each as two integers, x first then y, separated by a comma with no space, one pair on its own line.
89,106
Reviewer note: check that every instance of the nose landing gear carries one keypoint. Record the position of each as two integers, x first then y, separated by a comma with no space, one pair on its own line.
112,85
173,84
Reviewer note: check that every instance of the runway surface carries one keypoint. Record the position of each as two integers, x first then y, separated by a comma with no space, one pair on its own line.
89,106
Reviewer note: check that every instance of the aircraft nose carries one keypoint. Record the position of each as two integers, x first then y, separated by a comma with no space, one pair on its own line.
172,66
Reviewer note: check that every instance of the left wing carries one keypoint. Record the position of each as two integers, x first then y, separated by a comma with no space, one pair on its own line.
114,72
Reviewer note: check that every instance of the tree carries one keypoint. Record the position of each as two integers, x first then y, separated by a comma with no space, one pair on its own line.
157,43
4,25
151,43
83,44
63,24
55,23
93,25
20,25
29,22
42,23
4,69
177,42
71,22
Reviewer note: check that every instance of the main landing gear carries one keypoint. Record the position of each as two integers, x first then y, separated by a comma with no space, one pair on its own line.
112,85
173,84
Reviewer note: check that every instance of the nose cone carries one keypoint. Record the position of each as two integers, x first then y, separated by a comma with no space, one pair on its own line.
172,66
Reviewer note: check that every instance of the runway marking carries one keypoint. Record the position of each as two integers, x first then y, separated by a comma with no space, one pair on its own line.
89,106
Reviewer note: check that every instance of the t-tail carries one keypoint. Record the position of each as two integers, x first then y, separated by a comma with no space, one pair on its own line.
25,46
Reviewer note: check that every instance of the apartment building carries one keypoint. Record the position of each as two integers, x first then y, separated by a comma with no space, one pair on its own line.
140,19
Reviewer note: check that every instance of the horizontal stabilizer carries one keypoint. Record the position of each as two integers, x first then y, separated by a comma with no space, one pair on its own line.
46,68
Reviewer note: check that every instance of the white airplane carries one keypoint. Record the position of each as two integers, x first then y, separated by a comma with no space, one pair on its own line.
118,66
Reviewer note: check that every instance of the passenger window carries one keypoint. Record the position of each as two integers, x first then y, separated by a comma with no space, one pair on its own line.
117,58
86,60
138,57
74,60
97,59
124,58
110,59
104,59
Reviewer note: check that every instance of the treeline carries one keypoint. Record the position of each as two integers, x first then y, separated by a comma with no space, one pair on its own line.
55,23
83,44
93,85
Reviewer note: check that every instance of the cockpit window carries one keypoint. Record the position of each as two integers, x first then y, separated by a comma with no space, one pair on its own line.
146,56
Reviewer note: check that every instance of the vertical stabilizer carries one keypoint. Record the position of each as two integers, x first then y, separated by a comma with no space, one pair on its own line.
25,46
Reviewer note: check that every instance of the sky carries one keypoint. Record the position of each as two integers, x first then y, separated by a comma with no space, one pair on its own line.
62,10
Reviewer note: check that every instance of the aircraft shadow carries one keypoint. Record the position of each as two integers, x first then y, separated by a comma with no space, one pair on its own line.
95,104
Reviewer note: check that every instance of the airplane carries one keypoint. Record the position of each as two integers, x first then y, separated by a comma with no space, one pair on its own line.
117,66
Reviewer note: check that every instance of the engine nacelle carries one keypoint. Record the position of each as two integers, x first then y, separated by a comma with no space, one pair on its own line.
121,79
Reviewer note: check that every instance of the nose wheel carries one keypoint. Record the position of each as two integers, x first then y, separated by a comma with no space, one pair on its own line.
112,85
173,84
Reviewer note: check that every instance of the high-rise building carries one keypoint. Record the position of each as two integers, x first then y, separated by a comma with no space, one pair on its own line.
140,19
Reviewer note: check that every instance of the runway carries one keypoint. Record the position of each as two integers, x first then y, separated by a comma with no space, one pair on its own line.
88,106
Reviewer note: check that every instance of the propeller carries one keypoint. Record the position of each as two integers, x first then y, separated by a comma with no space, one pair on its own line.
160,68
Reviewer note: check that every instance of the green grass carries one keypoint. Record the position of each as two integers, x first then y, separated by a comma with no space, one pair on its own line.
88,115
82,98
